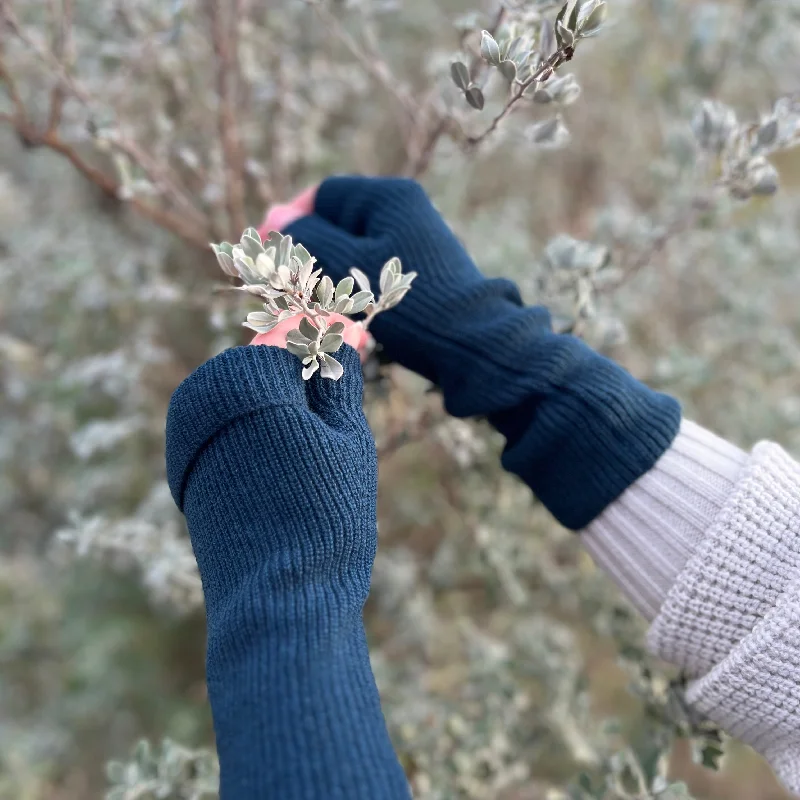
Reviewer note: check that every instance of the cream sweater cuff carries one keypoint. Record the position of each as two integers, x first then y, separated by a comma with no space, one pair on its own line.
644,539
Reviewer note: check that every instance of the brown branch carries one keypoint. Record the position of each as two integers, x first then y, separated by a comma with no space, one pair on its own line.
224,39
371,61
62,11
430,125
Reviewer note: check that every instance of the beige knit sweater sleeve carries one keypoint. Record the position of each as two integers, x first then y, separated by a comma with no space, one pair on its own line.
707,546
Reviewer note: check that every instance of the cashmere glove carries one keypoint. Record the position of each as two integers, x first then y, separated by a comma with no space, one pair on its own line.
579,428
277,478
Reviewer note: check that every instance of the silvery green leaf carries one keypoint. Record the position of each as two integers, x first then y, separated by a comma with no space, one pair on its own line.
252,247
282,302
344,287
260,318
562,13
331,342
246,268
299,350
331,368
294,335
573,17
336,327
594,21
308,329
302,253
360,301
460,75
285,273
549,134
566,38
394,265
264,265
226,247
508,69
387,277
542,97
304,273
261,328
325,291
271,252
313,348
763,177
310,369
768,133
284,250
475,97
393,297
361,279
344,305
252,233
408,279
490,51
226,262
514,48
547,39
308,359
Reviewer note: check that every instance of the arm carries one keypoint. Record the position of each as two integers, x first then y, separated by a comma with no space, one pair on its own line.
579,429
707,546
278,483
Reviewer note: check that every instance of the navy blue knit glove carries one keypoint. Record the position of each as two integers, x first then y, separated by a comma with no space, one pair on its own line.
579,429
277,478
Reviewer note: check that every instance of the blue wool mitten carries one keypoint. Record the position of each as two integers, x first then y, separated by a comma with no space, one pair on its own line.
579,428
277,478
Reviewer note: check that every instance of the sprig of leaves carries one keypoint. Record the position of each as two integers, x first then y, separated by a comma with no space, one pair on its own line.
282,274
531,58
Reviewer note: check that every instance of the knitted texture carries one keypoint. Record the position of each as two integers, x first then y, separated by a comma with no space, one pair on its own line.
278,482
646,536
732,618
579,429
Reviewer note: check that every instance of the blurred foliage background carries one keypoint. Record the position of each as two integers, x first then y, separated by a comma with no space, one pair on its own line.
134,132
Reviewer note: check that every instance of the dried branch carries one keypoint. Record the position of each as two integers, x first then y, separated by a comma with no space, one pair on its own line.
375,66
62,11
225,43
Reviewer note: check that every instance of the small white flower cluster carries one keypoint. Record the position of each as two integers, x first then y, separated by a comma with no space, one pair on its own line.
283,275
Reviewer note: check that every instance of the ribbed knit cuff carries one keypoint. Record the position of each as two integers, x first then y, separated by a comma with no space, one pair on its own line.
644,538
235,383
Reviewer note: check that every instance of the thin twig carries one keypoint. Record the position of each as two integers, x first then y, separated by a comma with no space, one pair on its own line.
62,11
371,61
224,39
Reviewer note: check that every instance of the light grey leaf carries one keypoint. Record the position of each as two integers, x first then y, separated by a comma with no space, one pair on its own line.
768,133
282,302
490,51
302,253
344,305
387,278
284,250
310,369
336,327
508,70
393,297
252,233
331,368
566,38
460,75
594,21
266,328
313,348
295,336
331,343
475,97
308,329
260,318
304,273
299,350
226,262
361,279
344,287
360,301
573,17
252,247
547,39
325,291
542,97
226,247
